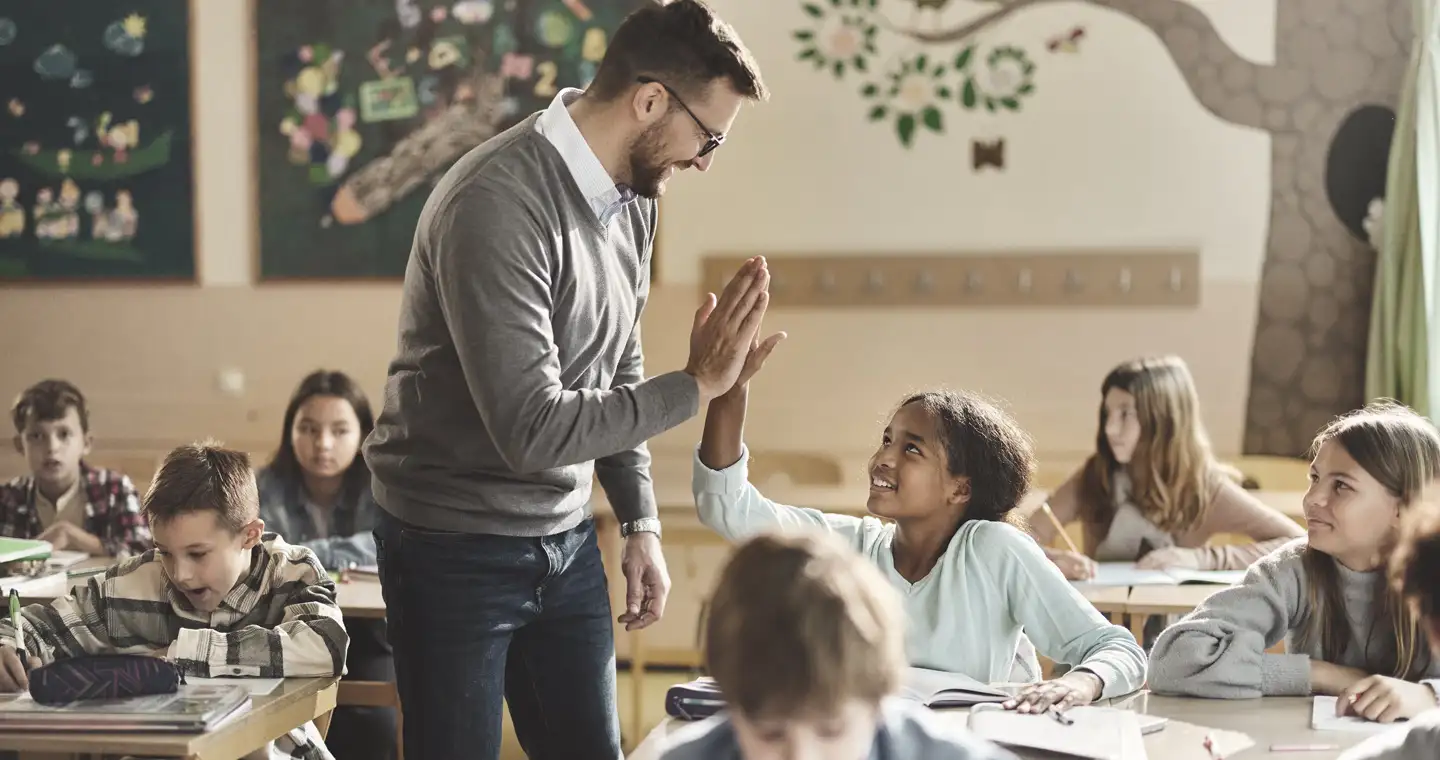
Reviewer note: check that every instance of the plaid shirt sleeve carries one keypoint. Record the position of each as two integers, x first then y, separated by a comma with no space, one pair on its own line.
70,626
308,640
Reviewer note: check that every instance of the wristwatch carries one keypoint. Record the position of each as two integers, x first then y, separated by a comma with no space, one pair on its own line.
643,525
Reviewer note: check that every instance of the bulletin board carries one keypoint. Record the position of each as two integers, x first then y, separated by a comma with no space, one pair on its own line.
96,165
363,104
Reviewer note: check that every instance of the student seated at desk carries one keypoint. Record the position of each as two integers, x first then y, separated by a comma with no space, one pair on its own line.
1415,574
1348,632
316,493
63,500
949,471
807,643
1153,493
216,596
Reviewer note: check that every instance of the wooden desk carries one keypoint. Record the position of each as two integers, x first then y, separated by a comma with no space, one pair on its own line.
1268,721
1165,600
293,703
1110,600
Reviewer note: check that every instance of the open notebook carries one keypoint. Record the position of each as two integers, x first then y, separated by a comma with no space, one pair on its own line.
1127,574
934,688
1323,718
1092,733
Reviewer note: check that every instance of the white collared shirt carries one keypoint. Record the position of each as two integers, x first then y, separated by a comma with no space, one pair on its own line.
70,507
599,188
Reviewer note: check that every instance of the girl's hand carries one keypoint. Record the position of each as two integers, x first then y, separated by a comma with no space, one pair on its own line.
755,359
1385,700
1073,689
1073,565
1329,678
1170,556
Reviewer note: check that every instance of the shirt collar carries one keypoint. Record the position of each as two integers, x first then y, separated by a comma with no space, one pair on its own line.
600,191
66,499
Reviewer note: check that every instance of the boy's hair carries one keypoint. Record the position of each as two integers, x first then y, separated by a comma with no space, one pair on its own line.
49,400
1415,565
684,45
204,476
800,624
984,443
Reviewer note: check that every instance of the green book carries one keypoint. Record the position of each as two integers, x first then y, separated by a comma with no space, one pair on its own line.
18,549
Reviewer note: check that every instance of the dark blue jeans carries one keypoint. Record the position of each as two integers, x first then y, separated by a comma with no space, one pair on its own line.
477,619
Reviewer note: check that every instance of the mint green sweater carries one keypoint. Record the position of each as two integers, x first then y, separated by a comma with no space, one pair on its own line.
991,584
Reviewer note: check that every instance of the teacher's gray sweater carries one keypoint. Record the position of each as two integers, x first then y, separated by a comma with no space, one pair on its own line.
1218,650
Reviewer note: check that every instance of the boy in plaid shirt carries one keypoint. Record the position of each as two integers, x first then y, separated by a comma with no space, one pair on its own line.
217,595
63,500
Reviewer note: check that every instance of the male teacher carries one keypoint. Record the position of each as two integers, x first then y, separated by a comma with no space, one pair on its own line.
519,379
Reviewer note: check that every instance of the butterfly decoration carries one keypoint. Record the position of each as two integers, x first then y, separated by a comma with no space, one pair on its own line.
1068,42
987,154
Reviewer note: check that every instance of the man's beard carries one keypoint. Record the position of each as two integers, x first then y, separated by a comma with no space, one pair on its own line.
646,167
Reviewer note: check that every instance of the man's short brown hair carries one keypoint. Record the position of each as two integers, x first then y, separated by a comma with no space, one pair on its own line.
682,44
799,625
49,400
204,476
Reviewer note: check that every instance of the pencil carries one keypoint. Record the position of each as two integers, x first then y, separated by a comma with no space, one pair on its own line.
1058,527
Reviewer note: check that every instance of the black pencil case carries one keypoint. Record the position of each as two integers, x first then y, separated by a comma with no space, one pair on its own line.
107,676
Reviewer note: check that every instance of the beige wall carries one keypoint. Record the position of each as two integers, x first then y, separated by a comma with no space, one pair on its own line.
1112,151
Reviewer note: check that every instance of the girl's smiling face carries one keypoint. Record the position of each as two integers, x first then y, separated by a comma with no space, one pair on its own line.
1348,513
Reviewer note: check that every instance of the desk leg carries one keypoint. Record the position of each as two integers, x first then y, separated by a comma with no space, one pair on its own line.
637,688
1137,627
1117,618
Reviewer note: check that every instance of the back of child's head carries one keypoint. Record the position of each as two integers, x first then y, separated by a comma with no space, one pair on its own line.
1415,565
985,444
800,625
204,477
47,401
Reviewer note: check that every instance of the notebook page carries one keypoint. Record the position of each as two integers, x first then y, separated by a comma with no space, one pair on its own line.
1322,718
923,685
1097,733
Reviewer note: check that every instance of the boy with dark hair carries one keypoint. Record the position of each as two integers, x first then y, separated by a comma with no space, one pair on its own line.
63,500
216,596
806,640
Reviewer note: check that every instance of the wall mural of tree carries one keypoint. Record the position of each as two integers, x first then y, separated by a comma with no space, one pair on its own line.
1336,62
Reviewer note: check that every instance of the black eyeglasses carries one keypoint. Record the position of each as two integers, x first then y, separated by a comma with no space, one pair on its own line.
712,140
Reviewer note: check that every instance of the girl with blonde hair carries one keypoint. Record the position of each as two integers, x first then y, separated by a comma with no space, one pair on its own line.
1349,632
1153,491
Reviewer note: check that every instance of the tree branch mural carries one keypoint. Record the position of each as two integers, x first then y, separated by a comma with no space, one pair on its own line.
1335,61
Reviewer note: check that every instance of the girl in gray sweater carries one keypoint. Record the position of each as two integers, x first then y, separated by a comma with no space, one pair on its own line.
1348,632
1415,572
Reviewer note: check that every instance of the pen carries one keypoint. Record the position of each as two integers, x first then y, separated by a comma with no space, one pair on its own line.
1304,747
19,631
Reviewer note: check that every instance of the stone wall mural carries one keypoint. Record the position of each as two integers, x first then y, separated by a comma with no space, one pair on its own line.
1324,101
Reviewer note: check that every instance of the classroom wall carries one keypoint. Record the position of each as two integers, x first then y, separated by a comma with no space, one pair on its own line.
1112,151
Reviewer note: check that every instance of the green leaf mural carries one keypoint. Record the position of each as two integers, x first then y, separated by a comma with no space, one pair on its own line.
910,77
905,127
